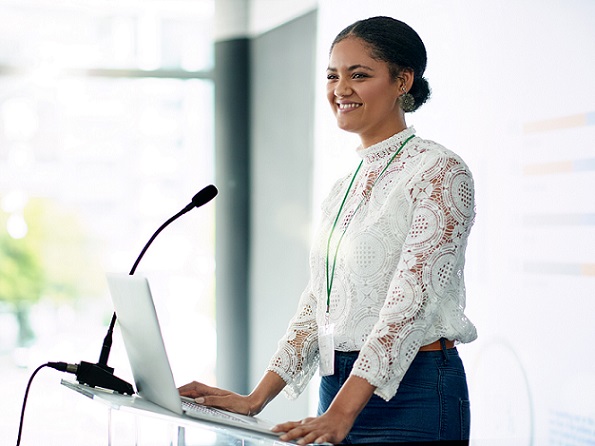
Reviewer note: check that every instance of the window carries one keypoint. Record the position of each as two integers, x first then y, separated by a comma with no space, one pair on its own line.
106,130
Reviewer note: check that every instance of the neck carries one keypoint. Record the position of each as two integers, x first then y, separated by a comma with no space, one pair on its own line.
370,141
392,128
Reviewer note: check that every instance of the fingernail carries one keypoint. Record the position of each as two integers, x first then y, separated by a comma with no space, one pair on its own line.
199,400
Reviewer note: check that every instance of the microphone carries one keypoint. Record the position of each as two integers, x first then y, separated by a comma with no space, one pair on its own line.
202,197
100,374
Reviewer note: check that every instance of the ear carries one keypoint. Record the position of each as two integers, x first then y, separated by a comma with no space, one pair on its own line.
405,79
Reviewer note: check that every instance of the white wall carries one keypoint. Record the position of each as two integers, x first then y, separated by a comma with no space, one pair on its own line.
242,18
513,94
231,19
268,14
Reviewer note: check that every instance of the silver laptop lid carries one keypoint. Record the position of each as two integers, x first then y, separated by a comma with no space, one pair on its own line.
140,330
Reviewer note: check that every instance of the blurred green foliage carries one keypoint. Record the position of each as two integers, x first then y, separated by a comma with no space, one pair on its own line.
54,261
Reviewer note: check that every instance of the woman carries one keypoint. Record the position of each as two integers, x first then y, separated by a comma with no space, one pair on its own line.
385,301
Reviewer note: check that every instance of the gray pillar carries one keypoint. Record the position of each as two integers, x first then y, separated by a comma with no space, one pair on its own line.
232,174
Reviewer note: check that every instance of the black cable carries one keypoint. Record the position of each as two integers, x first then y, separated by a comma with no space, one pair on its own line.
62,366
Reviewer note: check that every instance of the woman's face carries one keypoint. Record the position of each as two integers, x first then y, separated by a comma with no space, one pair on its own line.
362,93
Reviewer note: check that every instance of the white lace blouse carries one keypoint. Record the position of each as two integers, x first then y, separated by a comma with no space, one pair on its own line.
398,282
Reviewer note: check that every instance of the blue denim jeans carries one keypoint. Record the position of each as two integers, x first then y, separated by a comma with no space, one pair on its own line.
431,404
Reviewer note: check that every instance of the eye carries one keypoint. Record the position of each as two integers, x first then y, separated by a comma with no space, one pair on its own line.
331,76
359,75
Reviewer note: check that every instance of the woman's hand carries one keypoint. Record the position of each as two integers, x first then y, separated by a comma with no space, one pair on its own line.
333,425
327,428
219,398
268,387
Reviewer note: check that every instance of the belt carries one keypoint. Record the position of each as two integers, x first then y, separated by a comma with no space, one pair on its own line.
436,345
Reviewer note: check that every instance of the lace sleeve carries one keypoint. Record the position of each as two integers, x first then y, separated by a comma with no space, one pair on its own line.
429,271
296,358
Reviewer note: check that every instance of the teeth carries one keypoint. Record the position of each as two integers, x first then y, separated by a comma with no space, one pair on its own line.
348,106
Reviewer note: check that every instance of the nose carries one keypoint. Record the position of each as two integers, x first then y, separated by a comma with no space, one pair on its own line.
342,88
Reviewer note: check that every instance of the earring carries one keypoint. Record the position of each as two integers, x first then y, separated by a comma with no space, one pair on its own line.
406,101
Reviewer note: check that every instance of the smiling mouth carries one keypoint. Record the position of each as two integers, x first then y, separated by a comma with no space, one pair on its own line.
347,107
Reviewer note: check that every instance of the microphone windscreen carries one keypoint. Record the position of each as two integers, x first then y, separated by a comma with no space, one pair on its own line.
205,195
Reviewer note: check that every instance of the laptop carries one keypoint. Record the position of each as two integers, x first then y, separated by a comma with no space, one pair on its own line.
150,366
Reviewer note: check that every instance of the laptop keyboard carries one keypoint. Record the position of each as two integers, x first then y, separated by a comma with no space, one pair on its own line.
198,408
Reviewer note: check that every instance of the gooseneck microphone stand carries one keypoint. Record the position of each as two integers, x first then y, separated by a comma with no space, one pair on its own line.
100,374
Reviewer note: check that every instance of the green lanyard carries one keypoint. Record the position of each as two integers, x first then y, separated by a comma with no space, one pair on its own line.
330,277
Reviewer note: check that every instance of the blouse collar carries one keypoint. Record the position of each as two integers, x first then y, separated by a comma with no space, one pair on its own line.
385,148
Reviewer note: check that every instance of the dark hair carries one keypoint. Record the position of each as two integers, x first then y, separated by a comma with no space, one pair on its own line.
397,44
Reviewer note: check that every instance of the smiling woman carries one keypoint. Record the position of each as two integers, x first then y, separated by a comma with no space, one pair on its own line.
385,302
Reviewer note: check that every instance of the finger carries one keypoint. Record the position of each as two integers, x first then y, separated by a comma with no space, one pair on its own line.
193,387
297,432
285,427
323,439
188,392
318,437
309,438
186,387
213,401
196,389
292,424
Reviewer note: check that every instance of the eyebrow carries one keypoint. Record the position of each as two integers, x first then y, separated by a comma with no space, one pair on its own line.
352,67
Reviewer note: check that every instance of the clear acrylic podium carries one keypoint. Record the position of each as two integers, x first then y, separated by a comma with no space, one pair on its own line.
132,420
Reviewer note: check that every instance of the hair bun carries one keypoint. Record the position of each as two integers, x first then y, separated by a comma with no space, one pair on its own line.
421,92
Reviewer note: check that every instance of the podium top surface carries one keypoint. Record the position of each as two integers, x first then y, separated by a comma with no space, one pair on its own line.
143,407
